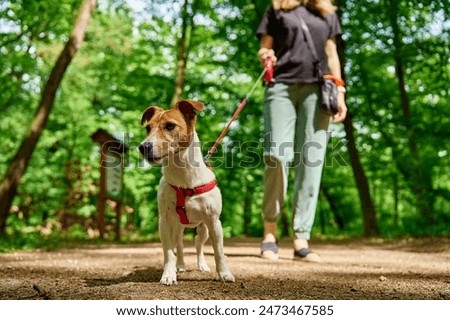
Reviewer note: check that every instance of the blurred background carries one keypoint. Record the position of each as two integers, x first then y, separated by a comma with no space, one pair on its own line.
387,173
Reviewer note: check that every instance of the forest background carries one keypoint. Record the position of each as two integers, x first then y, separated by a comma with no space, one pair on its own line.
387,171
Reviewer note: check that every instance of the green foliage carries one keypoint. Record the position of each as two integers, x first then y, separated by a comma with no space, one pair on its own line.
128,62
385,133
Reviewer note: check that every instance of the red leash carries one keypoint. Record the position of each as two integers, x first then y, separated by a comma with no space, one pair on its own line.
268,75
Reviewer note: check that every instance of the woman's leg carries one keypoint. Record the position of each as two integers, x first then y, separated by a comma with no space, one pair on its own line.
279,124
310,148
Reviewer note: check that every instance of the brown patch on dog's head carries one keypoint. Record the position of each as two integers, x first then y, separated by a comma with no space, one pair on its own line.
188,109
148,114
169,131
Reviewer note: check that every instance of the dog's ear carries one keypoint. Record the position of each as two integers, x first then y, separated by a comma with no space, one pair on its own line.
148,114
188,108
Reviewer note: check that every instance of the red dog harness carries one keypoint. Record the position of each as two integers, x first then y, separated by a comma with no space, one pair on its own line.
182,193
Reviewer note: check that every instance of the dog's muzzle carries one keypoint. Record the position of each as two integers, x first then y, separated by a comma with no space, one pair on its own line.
146,149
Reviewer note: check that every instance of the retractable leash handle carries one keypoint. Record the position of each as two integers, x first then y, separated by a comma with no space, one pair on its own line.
268,74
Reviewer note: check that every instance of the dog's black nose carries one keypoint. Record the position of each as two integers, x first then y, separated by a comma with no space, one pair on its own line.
146,148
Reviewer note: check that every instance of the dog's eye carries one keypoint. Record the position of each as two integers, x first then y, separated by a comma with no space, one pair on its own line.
148,129
169,126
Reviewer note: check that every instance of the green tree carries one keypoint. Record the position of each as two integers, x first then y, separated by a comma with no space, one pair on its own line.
8,187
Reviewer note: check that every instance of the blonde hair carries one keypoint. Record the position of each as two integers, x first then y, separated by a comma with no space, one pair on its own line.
324,7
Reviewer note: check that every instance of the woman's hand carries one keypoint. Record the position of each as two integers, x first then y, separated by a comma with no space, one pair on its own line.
335,68
342,108
263,53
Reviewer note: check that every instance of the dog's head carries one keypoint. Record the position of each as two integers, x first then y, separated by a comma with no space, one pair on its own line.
168,131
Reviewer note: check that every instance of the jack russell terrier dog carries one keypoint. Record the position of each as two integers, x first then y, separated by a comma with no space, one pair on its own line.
188,195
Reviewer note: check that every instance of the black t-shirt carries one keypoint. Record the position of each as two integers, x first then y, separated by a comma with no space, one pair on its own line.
295,63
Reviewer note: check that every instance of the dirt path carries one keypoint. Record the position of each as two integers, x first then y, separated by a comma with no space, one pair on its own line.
402,270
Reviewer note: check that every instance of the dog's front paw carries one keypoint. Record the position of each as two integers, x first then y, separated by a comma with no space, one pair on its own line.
181,268
203,267
168,280
226,276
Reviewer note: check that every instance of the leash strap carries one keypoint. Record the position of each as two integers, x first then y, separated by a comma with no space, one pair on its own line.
312,49
233,118
309,41
182,193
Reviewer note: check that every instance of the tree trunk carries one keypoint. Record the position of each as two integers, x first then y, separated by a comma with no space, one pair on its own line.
184,44
8,187
284,222
366,202
247,217
396,191
420,182
334,208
